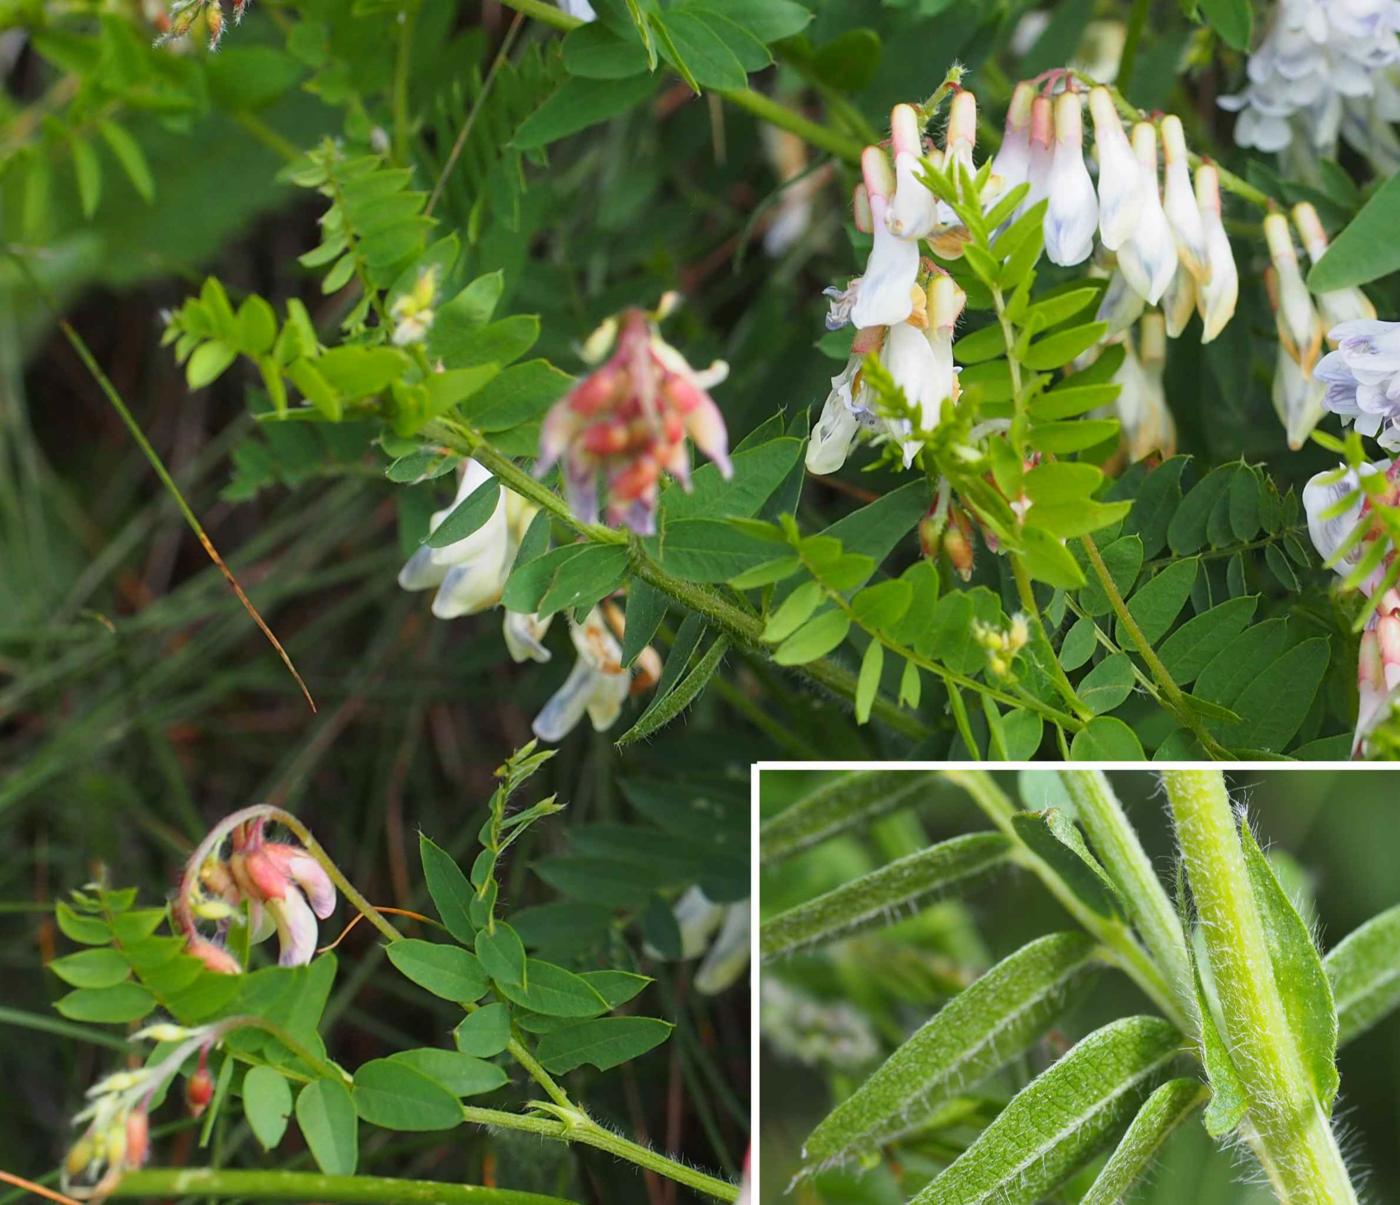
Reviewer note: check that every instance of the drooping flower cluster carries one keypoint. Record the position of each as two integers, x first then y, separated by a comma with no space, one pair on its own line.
1300,380
1341,522
286,891
117,1136
184,13
599,684
627,422
1325,68
1162,240
1362,378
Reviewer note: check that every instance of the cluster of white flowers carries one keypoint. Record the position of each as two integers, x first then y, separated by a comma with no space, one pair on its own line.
1340,514
1161,240
1325,69
819,1033
470,576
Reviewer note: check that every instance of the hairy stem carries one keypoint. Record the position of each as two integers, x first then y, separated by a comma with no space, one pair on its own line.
1297,1146
1120,947
1117,845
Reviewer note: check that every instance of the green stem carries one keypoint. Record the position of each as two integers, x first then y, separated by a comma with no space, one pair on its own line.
1175,700
162,1183
1137,19
1116,842
762,107
741,626
408,21
1120,946
1297,1146
537,1073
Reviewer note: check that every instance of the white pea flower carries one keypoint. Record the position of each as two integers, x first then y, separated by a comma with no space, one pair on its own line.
1299,326
581,9
921,360
1179,301
1336,305
1073,213
718,934
1182,208
885,293
843,417
1297,398
1141,405
524,636
1120,306
599,683
960,137
470,574
1042,153
913,211
1011,165
1217,295
1148,259
1120,178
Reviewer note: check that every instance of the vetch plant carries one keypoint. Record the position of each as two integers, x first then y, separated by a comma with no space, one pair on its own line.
1245,1019
255,1035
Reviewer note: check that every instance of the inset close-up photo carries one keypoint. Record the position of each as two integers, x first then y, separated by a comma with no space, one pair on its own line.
1072,987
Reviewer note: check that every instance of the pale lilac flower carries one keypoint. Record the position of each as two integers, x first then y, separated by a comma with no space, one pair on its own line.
1362,378
1377,673
1120,306
471,573
886,289
1121,183
1217,294
1322,494
1073,212
1148,258
1181,206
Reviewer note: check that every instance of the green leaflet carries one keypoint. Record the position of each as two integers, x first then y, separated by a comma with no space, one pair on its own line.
1228,1102
1158,1118
327,1119
1365,973
1053,837
267,1104
838,805
874,896
1061,1118
1302,983
981,1029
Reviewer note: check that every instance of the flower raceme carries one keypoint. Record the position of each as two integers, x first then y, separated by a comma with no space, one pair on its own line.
1341,522
286,890
1163,239
116,1137
627,422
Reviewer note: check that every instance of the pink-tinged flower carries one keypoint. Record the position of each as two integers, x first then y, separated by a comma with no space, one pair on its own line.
1121,184
1378,676
960,137
626,424
213,956
912,211
1073,213
599,683
1011,165
286,883
1299,326
1183,209
1042,153
1336,305
1217,294
885,292
1148,258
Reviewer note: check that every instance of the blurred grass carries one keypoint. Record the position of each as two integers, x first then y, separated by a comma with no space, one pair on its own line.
1339,829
